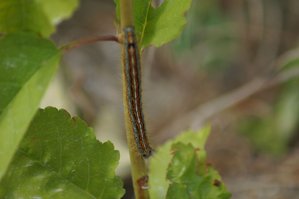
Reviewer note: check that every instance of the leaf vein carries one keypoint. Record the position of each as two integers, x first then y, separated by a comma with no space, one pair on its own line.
145,21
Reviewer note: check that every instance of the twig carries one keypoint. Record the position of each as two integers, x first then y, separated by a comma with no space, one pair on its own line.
197,117
86,41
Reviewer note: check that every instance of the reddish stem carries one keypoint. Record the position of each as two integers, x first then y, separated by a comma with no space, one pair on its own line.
85,41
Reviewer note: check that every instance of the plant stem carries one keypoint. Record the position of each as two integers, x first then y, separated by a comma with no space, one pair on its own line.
138,164
85,41
126,13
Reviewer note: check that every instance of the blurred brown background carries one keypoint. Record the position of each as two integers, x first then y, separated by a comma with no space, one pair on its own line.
224,70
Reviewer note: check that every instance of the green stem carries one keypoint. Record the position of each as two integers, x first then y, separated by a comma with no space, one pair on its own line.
126,13
138,164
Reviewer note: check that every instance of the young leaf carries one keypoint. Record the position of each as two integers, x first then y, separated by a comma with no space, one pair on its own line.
160,161
27,63
60,158
167,175
191,178
157,26
37,16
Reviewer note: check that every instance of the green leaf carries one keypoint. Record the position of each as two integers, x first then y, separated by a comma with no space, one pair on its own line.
191,178
173,163
57,10
27,63
37,16
160,161
60,158
19,15
157,26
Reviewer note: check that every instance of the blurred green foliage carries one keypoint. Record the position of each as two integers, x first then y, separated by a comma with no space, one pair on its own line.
274,133
212,41
211,34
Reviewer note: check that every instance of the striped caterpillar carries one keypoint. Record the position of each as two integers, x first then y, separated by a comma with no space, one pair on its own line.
132,74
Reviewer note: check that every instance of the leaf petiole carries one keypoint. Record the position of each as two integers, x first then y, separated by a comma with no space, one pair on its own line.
86,41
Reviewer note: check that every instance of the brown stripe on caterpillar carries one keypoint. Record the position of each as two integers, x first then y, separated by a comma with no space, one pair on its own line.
132,73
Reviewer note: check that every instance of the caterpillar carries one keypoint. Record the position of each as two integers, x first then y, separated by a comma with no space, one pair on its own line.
132,74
